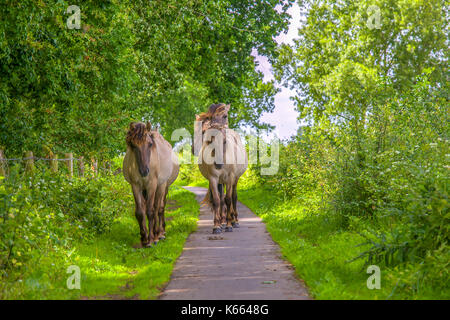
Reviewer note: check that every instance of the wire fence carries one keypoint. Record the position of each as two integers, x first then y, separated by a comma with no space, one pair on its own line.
37,158
69,160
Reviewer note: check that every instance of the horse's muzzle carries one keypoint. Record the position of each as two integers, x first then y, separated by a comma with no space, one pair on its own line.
144,172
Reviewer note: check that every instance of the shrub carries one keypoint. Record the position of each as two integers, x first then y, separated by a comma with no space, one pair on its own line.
45,210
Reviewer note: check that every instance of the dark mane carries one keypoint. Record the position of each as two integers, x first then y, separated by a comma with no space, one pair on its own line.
136,134
212,110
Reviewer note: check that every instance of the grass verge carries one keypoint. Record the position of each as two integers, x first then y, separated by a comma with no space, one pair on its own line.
321,249
110,266
321,252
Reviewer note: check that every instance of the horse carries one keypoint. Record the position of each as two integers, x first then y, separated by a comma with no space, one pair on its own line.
150,166
222,161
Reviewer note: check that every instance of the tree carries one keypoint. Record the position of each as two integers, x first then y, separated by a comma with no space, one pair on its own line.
67,89
339,62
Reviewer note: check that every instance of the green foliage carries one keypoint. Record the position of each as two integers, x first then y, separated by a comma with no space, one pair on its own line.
371,160
322,252
49,222
46,210
64,89
190,175
76,90
376,142
369,166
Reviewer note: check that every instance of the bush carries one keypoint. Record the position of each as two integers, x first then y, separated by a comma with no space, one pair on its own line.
47,210
387,181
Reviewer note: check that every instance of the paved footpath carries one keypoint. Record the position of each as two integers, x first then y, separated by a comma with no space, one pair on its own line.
241,265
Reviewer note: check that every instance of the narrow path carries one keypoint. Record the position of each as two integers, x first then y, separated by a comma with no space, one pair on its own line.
238,265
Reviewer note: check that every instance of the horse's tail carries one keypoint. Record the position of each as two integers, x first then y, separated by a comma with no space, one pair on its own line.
208,199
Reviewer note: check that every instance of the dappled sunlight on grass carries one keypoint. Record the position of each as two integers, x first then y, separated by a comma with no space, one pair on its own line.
320,249
110,265
132,272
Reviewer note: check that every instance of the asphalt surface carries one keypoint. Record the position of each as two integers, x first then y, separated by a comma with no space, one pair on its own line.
241,265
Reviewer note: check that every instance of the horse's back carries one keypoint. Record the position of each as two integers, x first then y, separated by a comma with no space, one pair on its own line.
175,169
168,161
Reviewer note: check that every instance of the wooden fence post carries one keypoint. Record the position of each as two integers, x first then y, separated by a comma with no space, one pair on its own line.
81,166
69,163
53,162
29,162
2,164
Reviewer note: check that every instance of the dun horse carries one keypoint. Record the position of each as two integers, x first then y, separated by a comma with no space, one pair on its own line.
222,160
150,166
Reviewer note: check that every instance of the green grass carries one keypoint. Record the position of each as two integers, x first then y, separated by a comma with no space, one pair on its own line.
200,183
320,251
111,268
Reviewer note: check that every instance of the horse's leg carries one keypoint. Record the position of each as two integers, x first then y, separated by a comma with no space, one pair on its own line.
150,211
161,210
164,209
222,206
156,223
235,222
140,213
228,200
213,185
159,194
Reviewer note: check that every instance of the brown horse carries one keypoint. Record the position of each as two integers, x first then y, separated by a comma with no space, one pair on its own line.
150,166
222,161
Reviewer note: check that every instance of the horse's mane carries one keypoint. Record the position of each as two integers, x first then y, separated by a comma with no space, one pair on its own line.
136,133
214,109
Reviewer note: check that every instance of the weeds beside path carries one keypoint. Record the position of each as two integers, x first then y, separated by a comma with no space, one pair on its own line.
111,265
320,251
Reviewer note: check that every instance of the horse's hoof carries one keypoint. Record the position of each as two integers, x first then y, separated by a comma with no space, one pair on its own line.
146,245
155,243
235,225
229,229
223,225
217,230
162,238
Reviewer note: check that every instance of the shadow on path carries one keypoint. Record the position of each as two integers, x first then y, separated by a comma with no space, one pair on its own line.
241,265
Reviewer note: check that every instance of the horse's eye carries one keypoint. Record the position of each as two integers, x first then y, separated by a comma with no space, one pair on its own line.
224,117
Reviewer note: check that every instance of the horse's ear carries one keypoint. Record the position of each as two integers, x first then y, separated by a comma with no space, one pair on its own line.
132,124
197,117
148,126
227,107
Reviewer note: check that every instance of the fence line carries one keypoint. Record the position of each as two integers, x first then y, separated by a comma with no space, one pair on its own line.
29,163
36,158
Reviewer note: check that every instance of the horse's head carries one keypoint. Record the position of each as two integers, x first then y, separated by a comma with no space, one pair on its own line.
140,140
216,117
214,123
